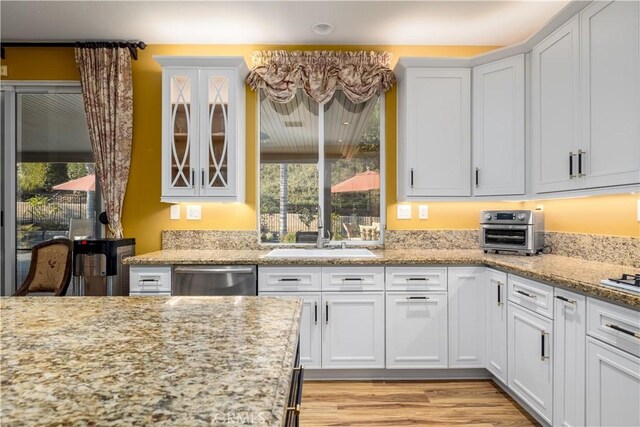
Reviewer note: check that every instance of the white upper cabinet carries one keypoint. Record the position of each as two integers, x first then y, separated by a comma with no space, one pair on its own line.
585,98
434,133
555,112
610,69
498,128
203,128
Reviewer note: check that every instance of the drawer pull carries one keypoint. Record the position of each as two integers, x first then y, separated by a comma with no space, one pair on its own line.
417,279
353,279
289,279
526,294
294,409
315,312
543,353
567,300
623,330
419,298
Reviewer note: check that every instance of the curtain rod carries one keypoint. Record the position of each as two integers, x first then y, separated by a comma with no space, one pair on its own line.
133,46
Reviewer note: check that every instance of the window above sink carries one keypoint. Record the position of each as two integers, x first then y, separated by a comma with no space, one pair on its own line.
329,155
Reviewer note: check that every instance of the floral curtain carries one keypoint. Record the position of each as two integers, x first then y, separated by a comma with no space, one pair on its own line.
105,77
361,75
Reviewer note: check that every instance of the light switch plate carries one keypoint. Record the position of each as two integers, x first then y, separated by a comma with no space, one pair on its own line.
175,211
423,212
3,71
404,212
194,212
638,210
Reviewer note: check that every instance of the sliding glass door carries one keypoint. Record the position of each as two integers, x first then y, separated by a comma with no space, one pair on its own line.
50,186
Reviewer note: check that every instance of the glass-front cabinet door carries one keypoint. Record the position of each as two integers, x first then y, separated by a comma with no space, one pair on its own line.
203,128
180,160
217,132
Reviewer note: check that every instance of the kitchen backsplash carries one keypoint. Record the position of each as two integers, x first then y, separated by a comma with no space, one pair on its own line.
431,239
591,247
596,247
209,239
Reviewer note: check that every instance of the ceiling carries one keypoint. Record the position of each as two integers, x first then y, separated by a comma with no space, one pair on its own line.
487,23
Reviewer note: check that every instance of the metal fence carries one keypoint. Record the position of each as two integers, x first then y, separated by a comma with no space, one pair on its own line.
50,209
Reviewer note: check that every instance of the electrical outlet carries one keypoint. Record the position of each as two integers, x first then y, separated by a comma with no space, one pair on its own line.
175,211
194,212
638,214
423,212
403,212
4,72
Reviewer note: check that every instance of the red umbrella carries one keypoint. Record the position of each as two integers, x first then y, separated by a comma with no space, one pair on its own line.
86,183
364,181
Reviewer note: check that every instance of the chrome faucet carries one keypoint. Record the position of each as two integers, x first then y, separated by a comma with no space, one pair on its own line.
321,240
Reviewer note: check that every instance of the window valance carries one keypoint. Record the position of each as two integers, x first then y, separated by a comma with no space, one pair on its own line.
361,75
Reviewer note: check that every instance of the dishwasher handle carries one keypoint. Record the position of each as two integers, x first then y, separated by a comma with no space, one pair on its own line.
213,270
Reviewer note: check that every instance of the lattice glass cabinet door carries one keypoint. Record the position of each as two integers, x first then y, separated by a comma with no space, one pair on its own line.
180,163
217,130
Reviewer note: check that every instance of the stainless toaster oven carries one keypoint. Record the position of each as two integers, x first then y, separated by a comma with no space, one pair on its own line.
519,231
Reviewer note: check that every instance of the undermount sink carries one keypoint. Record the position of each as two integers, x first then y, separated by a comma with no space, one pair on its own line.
320,253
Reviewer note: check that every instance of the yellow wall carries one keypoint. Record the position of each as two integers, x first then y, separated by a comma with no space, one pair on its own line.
145,216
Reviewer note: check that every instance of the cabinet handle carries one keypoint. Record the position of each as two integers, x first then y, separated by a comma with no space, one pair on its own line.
202,180
571,174
193,177
567,300
417,279
326,311
526,294
353,279
477,177
411,177
543,353
580,153
623,330
500,292
315,312
420,298
289,279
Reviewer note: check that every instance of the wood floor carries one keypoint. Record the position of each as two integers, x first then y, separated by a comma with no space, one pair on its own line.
397,403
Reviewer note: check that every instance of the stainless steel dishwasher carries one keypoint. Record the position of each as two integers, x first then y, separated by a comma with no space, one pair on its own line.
214,280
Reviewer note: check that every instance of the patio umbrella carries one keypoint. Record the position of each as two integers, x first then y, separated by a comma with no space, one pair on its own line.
86,183
364,181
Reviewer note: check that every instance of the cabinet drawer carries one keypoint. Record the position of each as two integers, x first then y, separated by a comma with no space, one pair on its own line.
615,325
535,296
416,278
353,278
153,280
288,279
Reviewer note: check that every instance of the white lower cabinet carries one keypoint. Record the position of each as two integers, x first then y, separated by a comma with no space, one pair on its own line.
353,330
569,334
416,330
466,317
530,370
496,323
310,327
613,386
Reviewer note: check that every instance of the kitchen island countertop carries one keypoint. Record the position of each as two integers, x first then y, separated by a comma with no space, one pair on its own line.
571,273
141,360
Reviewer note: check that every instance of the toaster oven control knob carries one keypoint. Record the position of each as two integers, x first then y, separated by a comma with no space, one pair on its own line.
521,216
487,217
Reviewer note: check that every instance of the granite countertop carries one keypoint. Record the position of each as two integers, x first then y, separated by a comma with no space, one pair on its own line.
139,360
572,273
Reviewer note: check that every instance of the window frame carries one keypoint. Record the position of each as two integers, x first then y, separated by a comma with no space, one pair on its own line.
320,166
